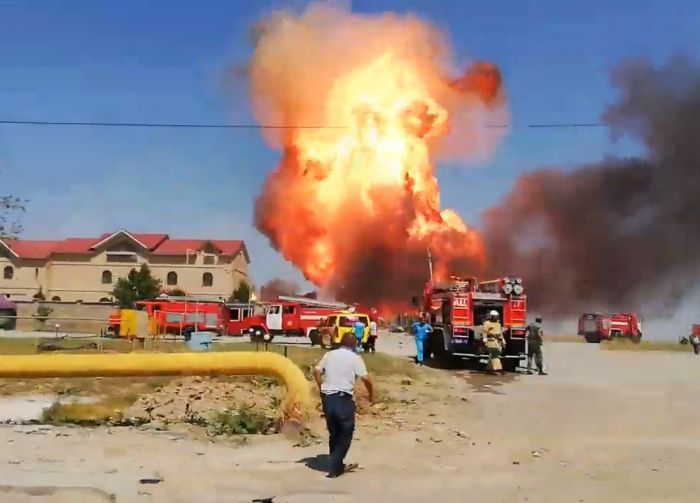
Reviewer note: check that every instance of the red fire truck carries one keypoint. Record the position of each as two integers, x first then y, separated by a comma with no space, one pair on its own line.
295,316
242,316
457,309
180,315
596,327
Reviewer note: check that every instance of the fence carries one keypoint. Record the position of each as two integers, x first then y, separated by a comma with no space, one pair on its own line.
85,318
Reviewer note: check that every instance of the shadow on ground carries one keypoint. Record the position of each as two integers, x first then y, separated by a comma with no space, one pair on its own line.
319,462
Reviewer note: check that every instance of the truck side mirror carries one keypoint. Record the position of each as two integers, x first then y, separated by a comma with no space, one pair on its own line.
414,301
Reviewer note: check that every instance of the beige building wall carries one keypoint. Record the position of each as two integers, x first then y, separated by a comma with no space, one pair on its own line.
28,276
77,277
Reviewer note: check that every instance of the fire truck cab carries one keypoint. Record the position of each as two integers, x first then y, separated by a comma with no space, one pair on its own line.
290,316
457,309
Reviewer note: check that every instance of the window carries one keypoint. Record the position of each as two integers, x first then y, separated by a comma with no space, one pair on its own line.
171,280
207,279
209,259
289,310
235,314
122,256
106,277
274,309
331,321
8,272
56,298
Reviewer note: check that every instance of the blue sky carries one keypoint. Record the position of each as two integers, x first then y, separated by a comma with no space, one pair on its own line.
170,61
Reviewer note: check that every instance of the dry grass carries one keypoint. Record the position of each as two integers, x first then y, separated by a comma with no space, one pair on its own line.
116,394
28,345
628,345
87,414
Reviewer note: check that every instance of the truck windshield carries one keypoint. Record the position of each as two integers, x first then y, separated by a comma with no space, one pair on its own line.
346,321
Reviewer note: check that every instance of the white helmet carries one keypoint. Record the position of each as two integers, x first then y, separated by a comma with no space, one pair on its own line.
494,313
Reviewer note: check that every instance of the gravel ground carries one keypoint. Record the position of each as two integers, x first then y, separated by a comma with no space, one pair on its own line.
604,426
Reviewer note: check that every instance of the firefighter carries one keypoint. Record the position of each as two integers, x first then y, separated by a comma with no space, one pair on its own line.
421,329
534,346
493,340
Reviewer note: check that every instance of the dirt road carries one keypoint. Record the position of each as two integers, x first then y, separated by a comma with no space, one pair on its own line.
604,426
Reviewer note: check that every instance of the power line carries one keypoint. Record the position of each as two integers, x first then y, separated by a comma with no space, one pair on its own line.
163,125
253,126
583,124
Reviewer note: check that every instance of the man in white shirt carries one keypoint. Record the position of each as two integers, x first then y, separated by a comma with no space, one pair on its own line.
335,375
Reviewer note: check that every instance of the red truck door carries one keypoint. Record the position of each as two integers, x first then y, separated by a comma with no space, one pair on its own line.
290,317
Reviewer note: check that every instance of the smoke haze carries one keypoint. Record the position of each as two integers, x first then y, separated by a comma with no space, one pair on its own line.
623,233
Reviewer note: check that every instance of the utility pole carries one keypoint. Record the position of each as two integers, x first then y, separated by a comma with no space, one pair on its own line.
430,264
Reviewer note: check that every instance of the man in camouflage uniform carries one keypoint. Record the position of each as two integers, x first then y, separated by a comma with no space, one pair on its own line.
493,340
534,346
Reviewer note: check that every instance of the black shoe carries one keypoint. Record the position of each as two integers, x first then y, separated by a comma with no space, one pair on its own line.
543,373
529,372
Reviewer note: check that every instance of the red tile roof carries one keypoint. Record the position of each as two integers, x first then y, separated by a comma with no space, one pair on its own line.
74,245
158,244
181,246
30,249
149,241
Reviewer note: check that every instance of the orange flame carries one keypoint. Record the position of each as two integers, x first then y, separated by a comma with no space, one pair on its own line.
355,205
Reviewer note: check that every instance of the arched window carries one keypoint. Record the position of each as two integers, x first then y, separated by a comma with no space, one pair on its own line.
56,298
207,279
8,272
171,280
106,277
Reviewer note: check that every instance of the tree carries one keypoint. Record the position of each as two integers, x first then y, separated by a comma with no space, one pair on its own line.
241,293
9,205
138,285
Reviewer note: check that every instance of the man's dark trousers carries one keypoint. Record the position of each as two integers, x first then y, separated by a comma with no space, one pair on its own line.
339,409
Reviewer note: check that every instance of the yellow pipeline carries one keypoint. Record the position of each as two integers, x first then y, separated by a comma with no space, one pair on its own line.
166,364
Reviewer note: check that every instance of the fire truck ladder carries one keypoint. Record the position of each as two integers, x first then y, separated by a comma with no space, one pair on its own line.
314,302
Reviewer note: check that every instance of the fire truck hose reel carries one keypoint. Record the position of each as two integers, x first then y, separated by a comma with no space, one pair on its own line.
296,406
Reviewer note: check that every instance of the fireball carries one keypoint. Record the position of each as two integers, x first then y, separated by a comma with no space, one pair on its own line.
354,202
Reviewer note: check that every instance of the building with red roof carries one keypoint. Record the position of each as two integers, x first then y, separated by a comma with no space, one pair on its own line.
85,269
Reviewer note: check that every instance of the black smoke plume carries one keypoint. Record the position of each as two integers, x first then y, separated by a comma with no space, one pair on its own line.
622,233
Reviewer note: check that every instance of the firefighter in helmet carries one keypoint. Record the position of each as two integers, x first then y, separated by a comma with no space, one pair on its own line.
493,340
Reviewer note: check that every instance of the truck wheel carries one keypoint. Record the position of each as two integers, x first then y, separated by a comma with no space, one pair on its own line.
636,339
592,339
259,334
325,340
510,364
314,338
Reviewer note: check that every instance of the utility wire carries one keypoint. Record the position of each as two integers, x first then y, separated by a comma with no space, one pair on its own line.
163,125
255,126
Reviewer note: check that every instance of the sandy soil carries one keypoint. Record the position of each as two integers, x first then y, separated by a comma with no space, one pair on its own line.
604,426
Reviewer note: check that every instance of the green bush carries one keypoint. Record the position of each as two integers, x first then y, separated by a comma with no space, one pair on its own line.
241,421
